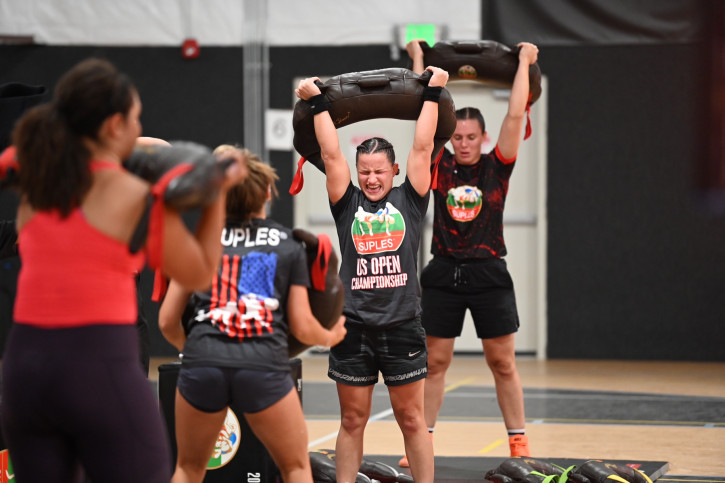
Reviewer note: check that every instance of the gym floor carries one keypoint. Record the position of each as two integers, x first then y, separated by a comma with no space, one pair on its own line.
668,413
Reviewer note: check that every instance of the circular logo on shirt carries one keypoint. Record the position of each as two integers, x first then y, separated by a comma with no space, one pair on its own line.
382,231
467,72
464,202
227,443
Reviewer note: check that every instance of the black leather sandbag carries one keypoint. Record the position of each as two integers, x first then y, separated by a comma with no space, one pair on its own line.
359,96
485,61
323,469
193,189
522,470
597,471
327,304
322,463
383,473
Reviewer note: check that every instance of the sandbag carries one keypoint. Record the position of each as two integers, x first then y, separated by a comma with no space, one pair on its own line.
194,187
323,468
193,174
382,472
598,471
527,470
485,61
326,294
359,96
184,176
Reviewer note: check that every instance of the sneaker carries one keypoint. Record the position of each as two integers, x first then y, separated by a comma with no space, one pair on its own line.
519,445
403,463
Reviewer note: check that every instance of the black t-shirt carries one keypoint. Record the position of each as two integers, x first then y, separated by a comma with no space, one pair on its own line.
379,250
468,207
241,320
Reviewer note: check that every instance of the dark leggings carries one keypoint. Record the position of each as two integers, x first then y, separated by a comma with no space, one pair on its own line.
76,398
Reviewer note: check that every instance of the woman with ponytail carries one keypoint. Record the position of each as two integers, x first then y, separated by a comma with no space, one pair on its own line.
74,397
233,341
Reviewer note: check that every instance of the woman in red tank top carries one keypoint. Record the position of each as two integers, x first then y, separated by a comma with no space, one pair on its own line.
74,397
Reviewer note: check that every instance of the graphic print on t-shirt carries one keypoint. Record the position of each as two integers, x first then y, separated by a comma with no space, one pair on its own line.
242,296
464,202
378,232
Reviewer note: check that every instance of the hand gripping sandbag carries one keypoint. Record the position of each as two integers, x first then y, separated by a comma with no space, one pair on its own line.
597,471
359,96
484,61
527,470
326,294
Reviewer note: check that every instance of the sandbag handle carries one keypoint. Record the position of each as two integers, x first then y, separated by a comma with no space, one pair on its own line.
321,86
375,80
468,47
424,45
425,77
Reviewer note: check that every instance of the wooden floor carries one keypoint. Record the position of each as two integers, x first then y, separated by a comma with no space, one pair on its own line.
689,450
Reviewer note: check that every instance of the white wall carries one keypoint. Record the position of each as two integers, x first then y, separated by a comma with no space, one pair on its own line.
221,22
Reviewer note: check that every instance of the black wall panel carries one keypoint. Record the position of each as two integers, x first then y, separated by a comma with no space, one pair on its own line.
198,100
635,263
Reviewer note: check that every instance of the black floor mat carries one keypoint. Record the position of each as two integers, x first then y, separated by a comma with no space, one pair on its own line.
461,469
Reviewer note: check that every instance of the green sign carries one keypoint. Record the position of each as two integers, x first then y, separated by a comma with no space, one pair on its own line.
425,31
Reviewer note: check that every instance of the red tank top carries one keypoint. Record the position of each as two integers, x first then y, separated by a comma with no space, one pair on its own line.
72,274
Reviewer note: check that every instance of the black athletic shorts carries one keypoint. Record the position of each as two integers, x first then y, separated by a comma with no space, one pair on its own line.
211,389
484,287
398,352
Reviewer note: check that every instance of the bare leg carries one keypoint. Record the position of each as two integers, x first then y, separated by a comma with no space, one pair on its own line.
407,402
440,354
196,433
355,406
501,359
282,430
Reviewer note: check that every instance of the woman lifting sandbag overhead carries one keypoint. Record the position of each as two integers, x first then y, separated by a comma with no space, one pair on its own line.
379,228
468,271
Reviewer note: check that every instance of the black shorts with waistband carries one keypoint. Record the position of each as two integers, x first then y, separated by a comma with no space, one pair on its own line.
450,287
398,352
